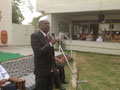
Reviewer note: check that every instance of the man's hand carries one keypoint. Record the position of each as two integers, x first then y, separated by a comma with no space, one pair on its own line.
3,81
56,39
59,60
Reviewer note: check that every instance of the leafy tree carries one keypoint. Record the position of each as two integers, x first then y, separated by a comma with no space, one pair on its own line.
17,16
35,22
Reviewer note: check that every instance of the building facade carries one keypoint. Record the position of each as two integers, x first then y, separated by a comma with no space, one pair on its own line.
6,19
12,34
86,21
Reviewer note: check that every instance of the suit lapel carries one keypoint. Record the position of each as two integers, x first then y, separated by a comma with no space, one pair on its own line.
41,37
50,37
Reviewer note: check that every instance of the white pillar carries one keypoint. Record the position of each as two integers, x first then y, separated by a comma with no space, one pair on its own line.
6,20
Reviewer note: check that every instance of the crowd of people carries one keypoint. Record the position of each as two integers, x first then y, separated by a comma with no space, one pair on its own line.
107,37
87,37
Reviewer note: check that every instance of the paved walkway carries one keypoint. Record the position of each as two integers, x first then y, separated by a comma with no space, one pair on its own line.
22,50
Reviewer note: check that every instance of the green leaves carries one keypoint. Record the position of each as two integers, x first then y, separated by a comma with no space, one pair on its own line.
35,22
17,16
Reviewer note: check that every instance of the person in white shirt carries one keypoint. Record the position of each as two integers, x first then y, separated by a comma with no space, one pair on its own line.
4,77
99,39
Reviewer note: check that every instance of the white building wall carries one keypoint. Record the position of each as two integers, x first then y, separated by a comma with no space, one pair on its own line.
21,34
55,20
95,17
92,46
6,21
57,6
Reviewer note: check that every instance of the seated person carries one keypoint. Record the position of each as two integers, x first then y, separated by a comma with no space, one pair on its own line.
59,76
89,37
57,81
82,36
108,37
60,67
99,39
116,37
4,83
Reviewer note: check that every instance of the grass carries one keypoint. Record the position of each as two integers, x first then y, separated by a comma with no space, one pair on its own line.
101,71
68,74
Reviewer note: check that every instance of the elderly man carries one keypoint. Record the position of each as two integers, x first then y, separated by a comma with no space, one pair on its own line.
4,83
43,49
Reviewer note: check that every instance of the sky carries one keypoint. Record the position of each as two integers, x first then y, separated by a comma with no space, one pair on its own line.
27,13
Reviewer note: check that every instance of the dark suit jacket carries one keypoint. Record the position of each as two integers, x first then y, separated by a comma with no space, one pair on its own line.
43,54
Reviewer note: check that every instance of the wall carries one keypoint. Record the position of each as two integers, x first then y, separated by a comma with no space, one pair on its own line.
6,21
55,19
57,6
95,17
21,34
97,47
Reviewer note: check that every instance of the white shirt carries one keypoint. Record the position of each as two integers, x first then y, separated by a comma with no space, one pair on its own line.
3,73
99,39
43,33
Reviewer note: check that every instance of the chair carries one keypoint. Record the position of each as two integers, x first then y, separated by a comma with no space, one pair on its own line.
18,82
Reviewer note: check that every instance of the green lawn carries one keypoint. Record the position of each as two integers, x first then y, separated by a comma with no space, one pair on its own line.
101,71
8,56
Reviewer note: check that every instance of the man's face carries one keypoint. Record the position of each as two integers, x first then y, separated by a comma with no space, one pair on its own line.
45,26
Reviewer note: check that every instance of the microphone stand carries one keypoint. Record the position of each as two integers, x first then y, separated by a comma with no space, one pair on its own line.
77,81
60,48
69,41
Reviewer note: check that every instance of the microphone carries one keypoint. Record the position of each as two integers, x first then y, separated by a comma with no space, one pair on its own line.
53,34
60,35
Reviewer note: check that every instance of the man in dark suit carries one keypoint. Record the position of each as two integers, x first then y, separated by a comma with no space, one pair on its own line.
44,60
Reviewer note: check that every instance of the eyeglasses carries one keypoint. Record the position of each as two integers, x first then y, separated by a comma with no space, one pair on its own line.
47,23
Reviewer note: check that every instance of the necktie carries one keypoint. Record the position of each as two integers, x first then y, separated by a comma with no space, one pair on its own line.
48,40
